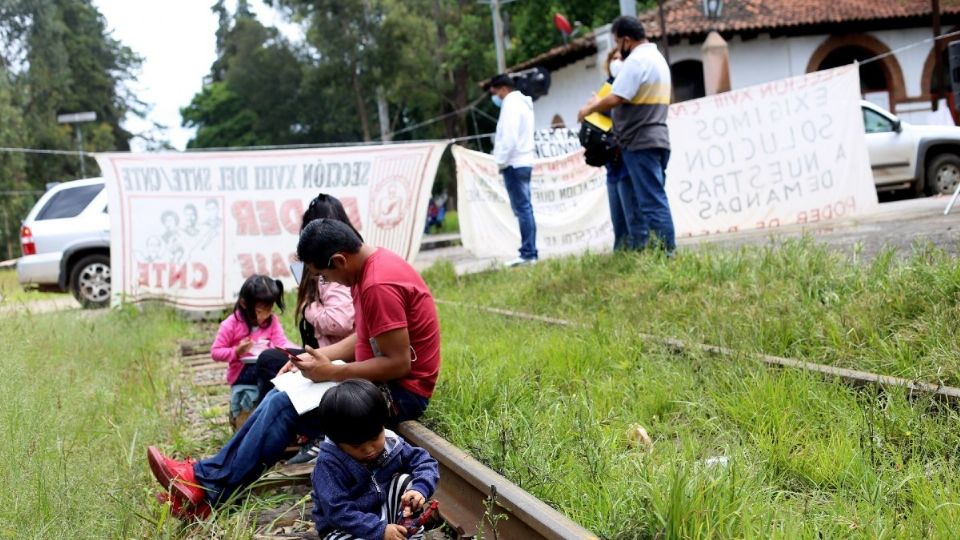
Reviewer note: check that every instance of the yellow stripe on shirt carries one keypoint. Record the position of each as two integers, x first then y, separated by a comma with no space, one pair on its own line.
652,94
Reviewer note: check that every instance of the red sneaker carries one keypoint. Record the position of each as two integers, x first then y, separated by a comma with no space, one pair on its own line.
184,512
177,476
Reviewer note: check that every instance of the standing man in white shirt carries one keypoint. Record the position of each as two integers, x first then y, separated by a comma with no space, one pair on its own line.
513,151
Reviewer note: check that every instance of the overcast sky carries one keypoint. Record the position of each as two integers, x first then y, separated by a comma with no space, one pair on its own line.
177,42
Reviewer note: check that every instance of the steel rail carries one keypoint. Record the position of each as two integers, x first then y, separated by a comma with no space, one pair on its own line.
474,499
942,392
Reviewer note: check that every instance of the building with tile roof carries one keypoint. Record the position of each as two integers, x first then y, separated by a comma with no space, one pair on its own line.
774,39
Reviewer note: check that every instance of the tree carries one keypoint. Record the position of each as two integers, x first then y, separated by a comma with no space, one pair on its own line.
60,59
12,164
252,96
531,27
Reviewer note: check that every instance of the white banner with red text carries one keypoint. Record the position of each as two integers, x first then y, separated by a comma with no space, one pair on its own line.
787,152
189,228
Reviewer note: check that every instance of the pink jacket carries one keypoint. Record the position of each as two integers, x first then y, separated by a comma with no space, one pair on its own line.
232,330
332,315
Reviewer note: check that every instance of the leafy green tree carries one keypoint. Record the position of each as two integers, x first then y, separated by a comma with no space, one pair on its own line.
220,117
253,93
531,28
61,59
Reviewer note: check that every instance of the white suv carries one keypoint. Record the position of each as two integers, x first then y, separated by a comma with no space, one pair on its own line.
65,241
925,159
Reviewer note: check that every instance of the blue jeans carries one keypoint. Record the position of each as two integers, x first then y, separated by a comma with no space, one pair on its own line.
628,223
648,174
261,441
517,180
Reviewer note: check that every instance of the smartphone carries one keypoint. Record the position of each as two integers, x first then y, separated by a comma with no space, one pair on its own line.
289,354
296,268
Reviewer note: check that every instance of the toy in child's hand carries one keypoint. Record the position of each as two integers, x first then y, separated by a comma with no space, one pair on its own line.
414,521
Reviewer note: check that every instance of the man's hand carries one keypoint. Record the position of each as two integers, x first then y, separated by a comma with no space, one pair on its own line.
587,109
395,532
413,498
288,367
244,347
314,365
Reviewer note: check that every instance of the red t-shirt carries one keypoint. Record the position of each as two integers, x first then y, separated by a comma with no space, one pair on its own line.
391,295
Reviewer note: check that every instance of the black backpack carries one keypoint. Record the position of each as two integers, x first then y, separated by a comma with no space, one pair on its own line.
600,147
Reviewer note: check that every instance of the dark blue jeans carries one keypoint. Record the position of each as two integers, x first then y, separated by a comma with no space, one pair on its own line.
629,226
260,442
517,180
648,174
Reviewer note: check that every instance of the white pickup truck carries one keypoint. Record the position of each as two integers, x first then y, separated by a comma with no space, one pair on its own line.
924,159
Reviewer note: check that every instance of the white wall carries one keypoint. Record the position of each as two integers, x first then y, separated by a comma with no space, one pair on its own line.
570,88
753,61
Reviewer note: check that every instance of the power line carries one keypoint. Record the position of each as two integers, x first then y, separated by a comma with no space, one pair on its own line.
908,46
436,119
40,151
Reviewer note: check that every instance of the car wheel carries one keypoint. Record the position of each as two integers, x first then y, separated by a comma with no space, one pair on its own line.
90,281
943,175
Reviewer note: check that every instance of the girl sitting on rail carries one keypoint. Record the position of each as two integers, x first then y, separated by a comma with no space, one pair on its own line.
251,329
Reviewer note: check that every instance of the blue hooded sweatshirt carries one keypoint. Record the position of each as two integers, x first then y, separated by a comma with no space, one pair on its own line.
348,496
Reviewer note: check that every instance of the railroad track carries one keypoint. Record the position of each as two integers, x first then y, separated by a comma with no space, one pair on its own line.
939,392
474,500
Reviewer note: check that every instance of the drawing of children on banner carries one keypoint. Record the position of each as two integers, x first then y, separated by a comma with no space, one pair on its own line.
212,223
190,220
172,255
172,245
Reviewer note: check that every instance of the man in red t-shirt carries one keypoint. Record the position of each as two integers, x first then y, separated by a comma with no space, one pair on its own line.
396,344
397,338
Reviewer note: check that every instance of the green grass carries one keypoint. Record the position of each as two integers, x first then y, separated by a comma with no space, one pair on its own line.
13,293
550,409
451,224
83,396
550,406
891,315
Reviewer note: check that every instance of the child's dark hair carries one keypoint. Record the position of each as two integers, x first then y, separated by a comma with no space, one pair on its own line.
353,412
322,206
258,289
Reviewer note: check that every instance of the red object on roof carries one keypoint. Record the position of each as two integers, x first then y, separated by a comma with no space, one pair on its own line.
562,24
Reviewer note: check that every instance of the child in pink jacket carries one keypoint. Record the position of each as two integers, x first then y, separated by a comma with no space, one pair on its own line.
251,329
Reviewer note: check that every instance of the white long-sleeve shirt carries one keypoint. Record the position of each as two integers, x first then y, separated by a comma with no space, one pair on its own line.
513,145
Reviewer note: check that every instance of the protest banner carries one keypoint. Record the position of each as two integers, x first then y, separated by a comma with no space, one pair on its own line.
569,200
554,142
189,228
787,152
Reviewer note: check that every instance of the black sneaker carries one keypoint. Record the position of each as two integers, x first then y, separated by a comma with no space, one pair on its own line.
308,452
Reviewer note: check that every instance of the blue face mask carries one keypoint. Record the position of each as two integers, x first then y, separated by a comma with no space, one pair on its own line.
497,100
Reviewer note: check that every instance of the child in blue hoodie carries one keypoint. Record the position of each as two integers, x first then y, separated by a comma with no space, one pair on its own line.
366,474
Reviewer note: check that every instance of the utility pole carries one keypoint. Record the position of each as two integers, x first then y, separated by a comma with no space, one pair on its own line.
664,41
76,119
938,78
498,31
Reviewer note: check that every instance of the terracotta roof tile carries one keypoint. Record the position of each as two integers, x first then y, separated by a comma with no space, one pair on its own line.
686,17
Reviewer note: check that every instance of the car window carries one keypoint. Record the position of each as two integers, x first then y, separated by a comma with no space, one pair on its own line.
69,202
874,122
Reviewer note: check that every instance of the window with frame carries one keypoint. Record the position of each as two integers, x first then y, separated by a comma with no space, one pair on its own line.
874,122
69,202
